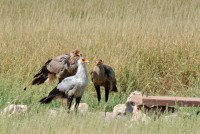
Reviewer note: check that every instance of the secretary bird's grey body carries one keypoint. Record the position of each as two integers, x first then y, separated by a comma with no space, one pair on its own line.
59,67
103,75
71,87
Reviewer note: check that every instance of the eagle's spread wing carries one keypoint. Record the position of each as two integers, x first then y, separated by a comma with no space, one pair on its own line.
58,64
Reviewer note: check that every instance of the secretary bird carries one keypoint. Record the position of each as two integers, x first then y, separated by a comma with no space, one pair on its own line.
59,67
71,87
103,75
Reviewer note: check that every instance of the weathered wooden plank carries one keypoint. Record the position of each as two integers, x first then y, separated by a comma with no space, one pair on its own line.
165,101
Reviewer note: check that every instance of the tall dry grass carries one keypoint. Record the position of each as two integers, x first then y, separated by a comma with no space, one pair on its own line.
152,45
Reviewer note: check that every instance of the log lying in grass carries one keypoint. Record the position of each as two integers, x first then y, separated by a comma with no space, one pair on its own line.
151,101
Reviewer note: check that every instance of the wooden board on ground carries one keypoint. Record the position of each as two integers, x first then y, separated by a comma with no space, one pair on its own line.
151,101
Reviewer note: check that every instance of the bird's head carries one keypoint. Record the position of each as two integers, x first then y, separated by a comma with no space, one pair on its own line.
99,62
75,53
83,60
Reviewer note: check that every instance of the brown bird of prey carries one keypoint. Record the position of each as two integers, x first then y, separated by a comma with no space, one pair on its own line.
103,75
59,67
70,87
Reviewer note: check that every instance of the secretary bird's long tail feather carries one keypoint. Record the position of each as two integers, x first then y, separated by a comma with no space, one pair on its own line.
47,99
42,100
114,89
52,95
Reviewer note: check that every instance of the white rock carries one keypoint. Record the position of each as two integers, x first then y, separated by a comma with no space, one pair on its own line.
119,110
83,107
132,94
132,108
129,107
13,109
129,104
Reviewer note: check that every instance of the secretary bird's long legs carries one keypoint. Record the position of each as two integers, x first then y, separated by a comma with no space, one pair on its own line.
106,99
77,104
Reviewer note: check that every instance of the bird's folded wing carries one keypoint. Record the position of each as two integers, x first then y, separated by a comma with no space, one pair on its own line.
67,84
109,71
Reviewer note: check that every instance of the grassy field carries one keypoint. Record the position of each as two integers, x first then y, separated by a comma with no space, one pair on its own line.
152,45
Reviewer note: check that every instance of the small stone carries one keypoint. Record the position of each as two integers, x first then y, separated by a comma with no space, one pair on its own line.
83,107
13,109
119,110
133,94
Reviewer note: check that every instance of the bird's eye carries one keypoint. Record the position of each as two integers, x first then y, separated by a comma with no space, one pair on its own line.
83,60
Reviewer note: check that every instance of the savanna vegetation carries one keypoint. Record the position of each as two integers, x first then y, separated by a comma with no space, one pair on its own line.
153,46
